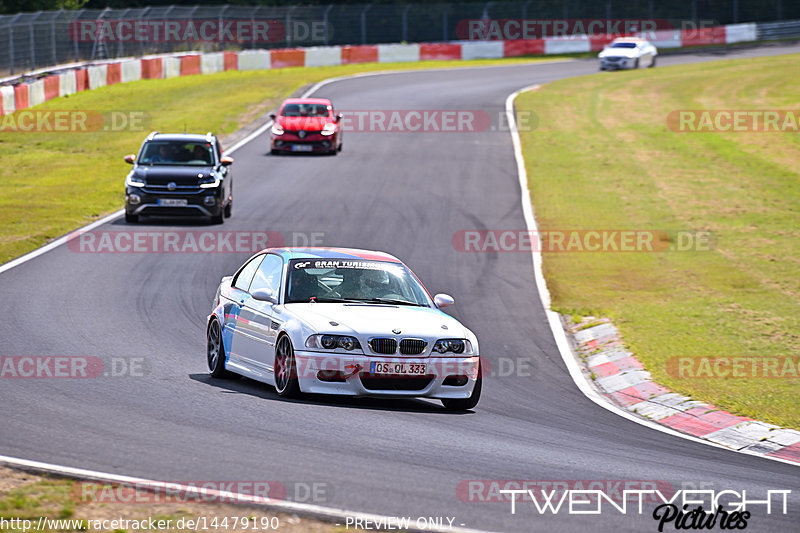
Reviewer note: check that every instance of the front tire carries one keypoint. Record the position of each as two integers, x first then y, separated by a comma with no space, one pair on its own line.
636,64
229,208
285,369
215,351
131,219
466,403
653,63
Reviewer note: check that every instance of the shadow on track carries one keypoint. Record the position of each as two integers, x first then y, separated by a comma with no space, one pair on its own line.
261,390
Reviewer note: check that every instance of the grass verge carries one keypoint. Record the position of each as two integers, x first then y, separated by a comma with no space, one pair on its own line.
604,158
54,182
67,505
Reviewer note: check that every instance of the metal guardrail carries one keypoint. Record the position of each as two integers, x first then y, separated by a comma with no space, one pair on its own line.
30,41
769,31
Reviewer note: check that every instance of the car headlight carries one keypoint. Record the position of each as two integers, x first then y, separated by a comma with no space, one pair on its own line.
132,181
328,129
456,346
210,182
277,129
332,342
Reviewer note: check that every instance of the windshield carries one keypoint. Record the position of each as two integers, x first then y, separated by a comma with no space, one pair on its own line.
177,153
353,280
305,110
623,45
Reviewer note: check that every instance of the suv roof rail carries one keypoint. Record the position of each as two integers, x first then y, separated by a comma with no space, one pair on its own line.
152,134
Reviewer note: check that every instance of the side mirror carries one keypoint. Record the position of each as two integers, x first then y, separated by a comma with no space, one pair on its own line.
264,295
227,160
339,117
443,300
272,116
130,158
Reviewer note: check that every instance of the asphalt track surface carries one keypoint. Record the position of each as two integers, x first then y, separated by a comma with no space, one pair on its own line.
404,193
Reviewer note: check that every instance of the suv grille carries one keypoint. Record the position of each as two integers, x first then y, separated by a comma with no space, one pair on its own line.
412,346
384,346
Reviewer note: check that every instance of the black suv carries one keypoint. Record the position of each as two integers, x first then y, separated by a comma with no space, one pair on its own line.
179,174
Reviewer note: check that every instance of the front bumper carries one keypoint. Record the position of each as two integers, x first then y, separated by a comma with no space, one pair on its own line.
199,202
617,64
312,143
349,375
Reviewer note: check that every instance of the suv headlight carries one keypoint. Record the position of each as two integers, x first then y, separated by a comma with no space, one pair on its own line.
328,129
332,342
456,346
132,181
277,129
210,182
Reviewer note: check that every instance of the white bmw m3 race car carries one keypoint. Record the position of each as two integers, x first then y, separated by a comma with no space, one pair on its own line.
340,321
628,52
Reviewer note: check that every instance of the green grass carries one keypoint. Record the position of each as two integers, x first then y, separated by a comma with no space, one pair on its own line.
603,157
55,182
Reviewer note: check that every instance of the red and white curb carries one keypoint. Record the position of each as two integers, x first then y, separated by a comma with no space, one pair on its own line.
622,378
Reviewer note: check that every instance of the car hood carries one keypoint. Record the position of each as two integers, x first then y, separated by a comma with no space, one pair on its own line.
163,174
620,52
369,320
304,123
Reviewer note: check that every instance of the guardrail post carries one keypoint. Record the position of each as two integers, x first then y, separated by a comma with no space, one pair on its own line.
33,40
53,36
405,22
525,9
364,23
289,26
325,22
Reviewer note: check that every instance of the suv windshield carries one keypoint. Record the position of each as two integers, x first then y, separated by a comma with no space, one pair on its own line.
191,153
623,45
353,280
305,110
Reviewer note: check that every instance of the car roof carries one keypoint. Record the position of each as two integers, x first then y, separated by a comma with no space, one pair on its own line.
628,40
323,101
289,253
157,136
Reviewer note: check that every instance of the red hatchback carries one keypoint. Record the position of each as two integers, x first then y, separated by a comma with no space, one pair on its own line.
306,125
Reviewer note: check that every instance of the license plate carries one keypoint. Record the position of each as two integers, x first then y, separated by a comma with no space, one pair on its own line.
403,369
173,202
302,148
